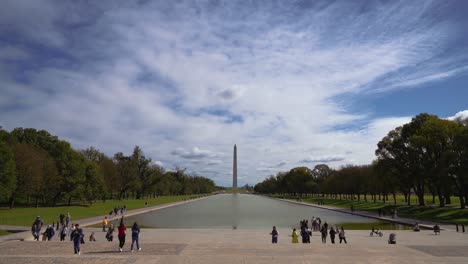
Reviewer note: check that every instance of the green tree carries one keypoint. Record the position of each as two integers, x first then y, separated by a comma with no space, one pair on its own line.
7,173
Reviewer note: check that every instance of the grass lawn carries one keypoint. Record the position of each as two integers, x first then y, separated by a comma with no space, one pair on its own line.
4,232
26,216
449,215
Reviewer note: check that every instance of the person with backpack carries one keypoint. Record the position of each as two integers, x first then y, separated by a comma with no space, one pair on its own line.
36,227
77,235
121,234
63,233
135,236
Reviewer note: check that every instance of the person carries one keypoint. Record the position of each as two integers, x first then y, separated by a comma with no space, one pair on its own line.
110,233
36,227
437,229
92,238
62,217
416,228
77,235
342,236
104,224
49,232
332,235
305,235
121,234
295,236
274,235
63,233
324,232
68,219
135,236
395,213
392,238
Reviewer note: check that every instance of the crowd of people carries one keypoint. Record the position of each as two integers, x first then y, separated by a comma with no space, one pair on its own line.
306,232
74,233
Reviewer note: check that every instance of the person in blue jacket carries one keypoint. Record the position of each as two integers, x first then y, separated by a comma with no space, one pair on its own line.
135,236
76,236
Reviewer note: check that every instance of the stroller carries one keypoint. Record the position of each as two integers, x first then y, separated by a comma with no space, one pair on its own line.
376,232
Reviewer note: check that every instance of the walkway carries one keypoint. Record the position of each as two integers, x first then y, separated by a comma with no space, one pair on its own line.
398,220
244,246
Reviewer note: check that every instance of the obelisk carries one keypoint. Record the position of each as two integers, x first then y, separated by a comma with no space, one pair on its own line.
234,170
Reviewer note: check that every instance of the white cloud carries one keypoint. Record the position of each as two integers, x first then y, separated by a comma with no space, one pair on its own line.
459,116
145,74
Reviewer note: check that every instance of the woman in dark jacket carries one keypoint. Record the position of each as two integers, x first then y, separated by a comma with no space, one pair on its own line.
332,235
135,236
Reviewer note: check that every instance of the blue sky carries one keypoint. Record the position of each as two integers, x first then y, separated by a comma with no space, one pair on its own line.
292,83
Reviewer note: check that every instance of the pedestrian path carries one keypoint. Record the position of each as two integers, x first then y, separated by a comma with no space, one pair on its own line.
97,220
397,220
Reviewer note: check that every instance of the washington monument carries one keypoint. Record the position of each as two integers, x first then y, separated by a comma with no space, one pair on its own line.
234,170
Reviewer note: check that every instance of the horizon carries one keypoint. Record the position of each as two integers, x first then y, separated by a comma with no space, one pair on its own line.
293,84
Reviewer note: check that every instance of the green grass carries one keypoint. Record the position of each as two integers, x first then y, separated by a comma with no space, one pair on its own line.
26,216
4,232
448,215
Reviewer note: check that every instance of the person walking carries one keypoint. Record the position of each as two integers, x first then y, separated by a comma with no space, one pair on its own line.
36,227
121,234
305,235
64,232
62,218
274,235
68,219
332,235
104,224
342,236
135,236
76,236
49,232
295,236
324,232
110,233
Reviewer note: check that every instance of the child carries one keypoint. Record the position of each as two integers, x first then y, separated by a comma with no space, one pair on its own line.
91,237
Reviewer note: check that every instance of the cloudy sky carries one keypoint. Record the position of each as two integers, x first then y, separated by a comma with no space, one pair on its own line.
292,83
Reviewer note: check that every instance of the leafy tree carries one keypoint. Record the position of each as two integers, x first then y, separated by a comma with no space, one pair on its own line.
7,173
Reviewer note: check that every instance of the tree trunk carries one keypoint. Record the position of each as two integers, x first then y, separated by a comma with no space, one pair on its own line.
447,199
421,198
433,198
12,201
394,198
69,201
409,198
462,201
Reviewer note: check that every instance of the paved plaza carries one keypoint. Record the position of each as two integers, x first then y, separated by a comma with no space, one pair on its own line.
242,246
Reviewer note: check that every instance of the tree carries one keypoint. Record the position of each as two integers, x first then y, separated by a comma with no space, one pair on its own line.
7,173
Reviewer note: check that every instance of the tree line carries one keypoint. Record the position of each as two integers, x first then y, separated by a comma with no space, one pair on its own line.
39,168
427,156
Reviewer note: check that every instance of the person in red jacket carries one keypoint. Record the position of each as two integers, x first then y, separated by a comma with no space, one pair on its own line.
121,234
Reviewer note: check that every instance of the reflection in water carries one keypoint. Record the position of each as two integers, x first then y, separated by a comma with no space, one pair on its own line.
235,210
240,211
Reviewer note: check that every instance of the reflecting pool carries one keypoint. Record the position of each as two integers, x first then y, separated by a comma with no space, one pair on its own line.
242,211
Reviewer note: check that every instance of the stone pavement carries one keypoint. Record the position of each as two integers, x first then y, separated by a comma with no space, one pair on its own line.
244,246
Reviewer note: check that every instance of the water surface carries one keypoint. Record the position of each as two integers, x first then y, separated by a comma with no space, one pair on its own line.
240,211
